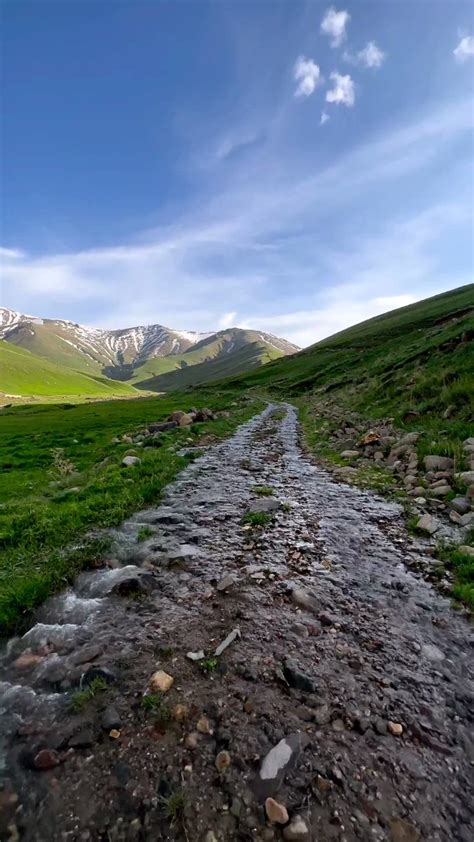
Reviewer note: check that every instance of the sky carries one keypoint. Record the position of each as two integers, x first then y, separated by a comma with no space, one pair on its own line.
290,166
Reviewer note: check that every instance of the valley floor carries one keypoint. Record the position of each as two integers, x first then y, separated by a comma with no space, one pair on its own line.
344,695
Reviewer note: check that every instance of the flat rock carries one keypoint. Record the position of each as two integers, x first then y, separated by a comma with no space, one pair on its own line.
84,738
305,600
440,491
275,765
276,812
438,463
427,523
350,454
297,831
432,652
461,505
267,505
297,678
403,831
226,583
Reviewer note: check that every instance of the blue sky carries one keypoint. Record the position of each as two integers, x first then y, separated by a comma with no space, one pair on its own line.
292,166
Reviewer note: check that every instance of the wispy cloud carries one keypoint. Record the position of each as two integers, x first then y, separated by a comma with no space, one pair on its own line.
342,91
335,25
241,249
324,118
370,56
227,320
308,76
465,49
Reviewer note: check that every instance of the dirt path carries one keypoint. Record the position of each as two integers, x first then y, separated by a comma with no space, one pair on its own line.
340,646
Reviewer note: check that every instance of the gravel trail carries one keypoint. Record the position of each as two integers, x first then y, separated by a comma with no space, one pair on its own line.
348,665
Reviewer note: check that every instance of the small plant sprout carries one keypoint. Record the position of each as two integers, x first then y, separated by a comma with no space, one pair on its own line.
257,518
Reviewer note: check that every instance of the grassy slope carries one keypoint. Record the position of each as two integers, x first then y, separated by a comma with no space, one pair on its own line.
194,374
23,373
38,520
47,343
418,358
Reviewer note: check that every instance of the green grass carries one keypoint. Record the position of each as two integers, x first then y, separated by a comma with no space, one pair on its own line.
155,704
82,697
257,518
25,374
263,490
39,521
462,566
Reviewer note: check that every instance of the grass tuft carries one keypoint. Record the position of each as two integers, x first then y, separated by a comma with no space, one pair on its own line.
144,533
174,805
263,490
257,518
81,698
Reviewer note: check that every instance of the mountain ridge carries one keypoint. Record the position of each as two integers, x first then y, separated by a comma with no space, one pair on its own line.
141,353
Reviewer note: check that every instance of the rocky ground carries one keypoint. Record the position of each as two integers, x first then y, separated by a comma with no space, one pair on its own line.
258,661
440,488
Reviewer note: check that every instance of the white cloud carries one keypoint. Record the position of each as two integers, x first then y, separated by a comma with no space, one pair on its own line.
370,56
324,118
308,76
227,320
465,49
334,24
343,91
11,254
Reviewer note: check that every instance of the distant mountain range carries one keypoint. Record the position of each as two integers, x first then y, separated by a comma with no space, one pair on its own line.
151,357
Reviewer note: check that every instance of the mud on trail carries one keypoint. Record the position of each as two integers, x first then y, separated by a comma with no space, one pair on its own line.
346,697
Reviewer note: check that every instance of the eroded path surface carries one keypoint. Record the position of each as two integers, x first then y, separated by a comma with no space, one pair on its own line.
340,645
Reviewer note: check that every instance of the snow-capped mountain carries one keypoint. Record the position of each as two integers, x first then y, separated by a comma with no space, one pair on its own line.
124,353
114,347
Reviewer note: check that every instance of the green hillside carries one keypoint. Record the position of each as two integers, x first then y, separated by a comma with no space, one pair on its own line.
49,344
196,373
419,358
23,374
